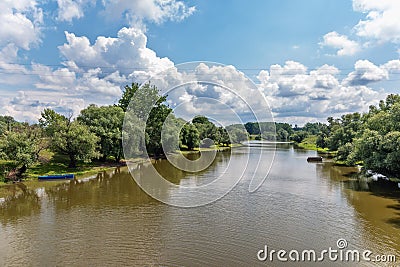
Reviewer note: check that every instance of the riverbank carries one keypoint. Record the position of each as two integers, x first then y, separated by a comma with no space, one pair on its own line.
51,163
309,143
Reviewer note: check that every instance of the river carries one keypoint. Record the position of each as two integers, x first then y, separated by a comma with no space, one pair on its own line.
109,220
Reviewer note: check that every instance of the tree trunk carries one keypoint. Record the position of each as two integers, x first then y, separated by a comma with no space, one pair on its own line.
22,170
72,161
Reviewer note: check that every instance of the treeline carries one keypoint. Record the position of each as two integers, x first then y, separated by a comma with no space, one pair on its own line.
372,138
278,131
97,132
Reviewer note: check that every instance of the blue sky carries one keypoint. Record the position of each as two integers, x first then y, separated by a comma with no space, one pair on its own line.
311,59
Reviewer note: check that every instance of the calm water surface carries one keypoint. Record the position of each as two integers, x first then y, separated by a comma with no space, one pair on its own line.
110,221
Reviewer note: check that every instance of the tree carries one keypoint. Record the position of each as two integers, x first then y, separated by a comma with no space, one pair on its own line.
282,134
146,104
154,126
298,136
343,130
6,123
209,134
190,136
106,123
252,128
373,138
238,133
140,99
224,138
22,146
69,137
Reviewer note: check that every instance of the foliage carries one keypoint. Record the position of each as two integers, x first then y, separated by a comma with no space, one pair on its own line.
223,137
207,131
314,128
140,99
270,130
238,133
252,128
378,146
6,124
372,138
69,137
106,123
144,104
22,145
282,134
298,136
190,136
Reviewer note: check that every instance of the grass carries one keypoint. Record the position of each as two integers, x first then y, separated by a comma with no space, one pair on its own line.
309,143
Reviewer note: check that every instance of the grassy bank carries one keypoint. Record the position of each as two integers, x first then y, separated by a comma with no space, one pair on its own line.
309,143
50,163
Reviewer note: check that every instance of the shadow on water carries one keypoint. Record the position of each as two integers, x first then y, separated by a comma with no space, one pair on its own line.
395,221
107,189
21,202
380,188
384,189
351,180
116,189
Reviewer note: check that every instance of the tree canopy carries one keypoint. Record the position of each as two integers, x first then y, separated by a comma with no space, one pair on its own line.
106,123
69,137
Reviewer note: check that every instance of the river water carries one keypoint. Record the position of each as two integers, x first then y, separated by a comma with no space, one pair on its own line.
110,221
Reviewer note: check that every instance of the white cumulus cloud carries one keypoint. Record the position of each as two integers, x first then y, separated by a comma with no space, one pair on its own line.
72,9
382,21
344,46
297,95
157,11
20,23
366,72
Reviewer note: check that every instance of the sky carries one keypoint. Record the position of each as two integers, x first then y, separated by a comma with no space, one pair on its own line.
308,60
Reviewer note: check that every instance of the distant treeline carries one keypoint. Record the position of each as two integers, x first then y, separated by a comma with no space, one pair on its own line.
97,132
279,131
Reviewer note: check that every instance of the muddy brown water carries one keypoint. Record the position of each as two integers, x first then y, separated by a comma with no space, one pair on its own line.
109,220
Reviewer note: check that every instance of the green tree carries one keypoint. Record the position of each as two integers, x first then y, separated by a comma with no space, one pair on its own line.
6,123
373,138
252,128
22,146
190,136
69,137
140,99
298,136
238,133
224,138
343,130
154,126
145,103
106,123
282,134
